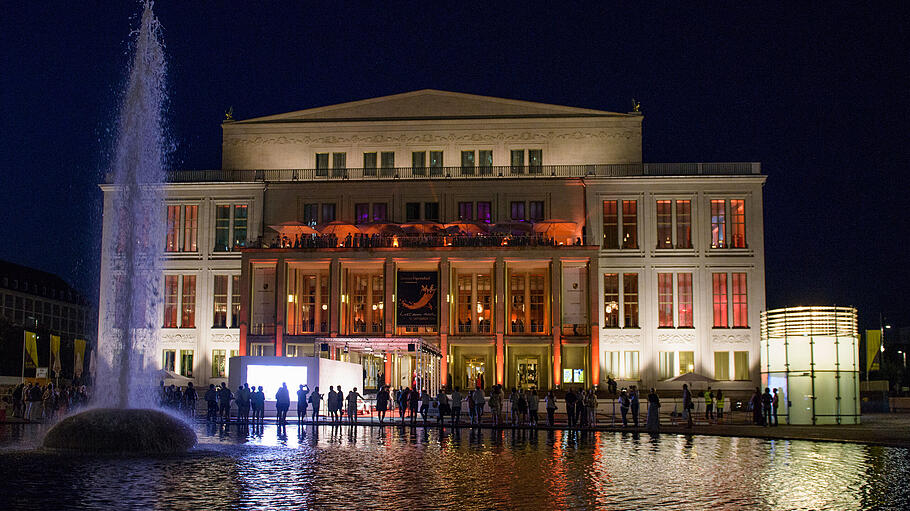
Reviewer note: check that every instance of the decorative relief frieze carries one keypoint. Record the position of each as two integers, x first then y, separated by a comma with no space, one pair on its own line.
525,136
177,337
731,339
675,338
622,339
225,337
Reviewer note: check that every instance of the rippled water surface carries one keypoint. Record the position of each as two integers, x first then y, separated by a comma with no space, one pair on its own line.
417,468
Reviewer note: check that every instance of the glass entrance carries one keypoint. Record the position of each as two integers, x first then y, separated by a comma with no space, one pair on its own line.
527,375
474,372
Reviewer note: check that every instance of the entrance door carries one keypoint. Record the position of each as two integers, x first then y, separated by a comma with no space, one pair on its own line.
527,374
474,372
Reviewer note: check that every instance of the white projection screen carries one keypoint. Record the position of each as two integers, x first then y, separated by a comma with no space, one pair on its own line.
270,377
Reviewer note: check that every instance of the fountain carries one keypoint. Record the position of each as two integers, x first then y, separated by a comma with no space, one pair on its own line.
124,381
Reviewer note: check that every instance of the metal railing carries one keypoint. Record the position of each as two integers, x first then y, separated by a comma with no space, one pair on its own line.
462,172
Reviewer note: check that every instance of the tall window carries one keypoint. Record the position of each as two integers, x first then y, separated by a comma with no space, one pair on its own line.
220,301
611,300
170,301
412,211
610,224
631,363
517,211
235,301
380,212
436,163
665,299
328,213
311,214
527,302
666,367
419,162
339,164
719,285
466,211
308,301
173,229
718,224
230,226
610,364
484,212
366,303
686,362
535,161
741,366
322,164
188,305
169,360
485,161
630,300
473,303
684,306
369,164
431,211
535,210
683,224
186,363
664,224
387,161
722,365
629,224
467,162
738,219
740,301
517,161
190,227
219,363
362,212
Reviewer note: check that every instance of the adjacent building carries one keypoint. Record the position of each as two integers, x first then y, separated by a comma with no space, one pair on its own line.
460,239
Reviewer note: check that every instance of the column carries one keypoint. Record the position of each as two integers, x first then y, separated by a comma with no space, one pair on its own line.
555,319
335,292
388,312
281,282
445,308
593,321
244,322
499,271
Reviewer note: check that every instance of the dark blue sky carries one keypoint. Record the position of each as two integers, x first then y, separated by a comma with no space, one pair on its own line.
818,95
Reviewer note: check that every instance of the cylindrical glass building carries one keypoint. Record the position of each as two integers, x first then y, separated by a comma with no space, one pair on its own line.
811,355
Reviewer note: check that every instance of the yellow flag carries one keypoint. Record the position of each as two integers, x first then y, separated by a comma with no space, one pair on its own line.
31,347
55,354
79,356
873,349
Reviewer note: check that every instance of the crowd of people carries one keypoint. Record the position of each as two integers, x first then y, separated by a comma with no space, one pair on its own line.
35,402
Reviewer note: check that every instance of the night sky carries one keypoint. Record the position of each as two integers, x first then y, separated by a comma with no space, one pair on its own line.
820,97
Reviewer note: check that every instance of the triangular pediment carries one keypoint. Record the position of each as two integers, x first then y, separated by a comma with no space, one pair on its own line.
431,104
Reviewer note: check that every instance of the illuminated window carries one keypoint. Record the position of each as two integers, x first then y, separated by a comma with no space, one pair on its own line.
169,360
611,366
665,299
610,224
686,362
362,213
307,301
738,219
666,367
684,292
220,301
366,299
310,214
629,224
741,366
630,300
219,363
190,227
683,224
664,224
631,365
235,301
186,363
473,303
484,212
527,300
718,224
719,286
230,226
611,300
535,161
170,301
740,301
173,229
188,305
722,365
436,163
466,211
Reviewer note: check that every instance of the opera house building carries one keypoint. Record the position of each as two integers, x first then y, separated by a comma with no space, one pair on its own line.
441,238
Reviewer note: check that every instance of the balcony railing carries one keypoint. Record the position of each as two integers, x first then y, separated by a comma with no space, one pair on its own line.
438,173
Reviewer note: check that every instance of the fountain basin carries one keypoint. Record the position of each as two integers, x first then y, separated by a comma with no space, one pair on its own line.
121,431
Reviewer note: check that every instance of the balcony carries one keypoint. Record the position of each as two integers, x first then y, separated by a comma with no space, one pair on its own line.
442,173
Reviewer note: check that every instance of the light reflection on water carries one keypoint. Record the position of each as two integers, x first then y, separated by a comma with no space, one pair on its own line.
418,468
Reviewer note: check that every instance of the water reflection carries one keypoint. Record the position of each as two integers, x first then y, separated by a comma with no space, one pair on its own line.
399,467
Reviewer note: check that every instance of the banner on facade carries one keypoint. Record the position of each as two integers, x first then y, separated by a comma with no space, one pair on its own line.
55,355
418,298
78,357
31,348
574,295
263,313
873,348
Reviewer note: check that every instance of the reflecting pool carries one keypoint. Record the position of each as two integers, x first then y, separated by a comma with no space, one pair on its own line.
427,468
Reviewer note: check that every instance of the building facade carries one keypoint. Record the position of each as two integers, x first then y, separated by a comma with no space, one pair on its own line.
510,242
